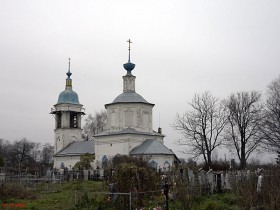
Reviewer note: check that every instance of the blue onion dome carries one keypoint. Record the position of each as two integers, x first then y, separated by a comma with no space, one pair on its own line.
68,97
129,67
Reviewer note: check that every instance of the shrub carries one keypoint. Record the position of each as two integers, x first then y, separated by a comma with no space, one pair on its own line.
213,205
133,175
268,196
13,190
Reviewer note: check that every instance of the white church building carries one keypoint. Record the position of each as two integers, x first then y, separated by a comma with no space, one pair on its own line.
129,128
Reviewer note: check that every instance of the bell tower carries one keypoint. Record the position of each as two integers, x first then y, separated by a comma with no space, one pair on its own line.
68,114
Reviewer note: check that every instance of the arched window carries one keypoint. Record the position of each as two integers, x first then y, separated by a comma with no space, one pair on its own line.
73,120
58,119
153,164
62,165
104,161
166,165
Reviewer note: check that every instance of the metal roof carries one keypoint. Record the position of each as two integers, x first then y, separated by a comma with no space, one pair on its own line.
77,148
68,96
151,147
128,131
129,97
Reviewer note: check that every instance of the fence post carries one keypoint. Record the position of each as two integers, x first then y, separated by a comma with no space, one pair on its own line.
75,197
166,191
130,200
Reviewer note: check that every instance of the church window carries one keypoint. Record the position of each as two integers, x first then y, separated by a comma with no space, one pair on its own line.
58,120
153,164
104,161
166,165
73,120
62,165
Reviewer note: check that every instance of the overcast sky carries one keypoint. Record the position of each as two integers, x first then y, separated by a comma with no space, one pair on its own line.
179,47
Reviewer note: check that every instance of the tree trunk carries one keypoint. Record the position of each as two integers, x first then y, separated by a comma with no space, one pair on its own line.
209,160
243,157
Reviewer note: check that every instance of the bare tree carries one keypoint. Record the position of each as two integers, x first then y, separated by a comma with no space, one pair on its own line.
245,120
21,153
201,126
26,155
4,148
47,154
4,145
35,152
95,124
271,127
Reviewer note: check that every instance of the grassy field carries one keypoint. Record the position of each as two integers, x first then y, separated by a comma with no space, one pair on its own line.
72,196
63,199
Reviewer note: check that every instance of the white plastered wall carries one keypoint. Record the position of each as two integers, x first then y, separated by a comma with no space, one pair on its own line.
65,135
69,161
131,115
161,160
119,144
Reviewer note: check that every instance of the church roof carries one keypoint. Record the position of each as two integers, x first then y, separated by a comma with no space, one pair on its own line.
77,148
68,97
128,131
151,147
129,97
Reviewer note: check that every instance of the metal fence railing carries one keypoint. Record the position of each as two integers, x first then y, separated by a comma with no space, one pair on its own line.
33,183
